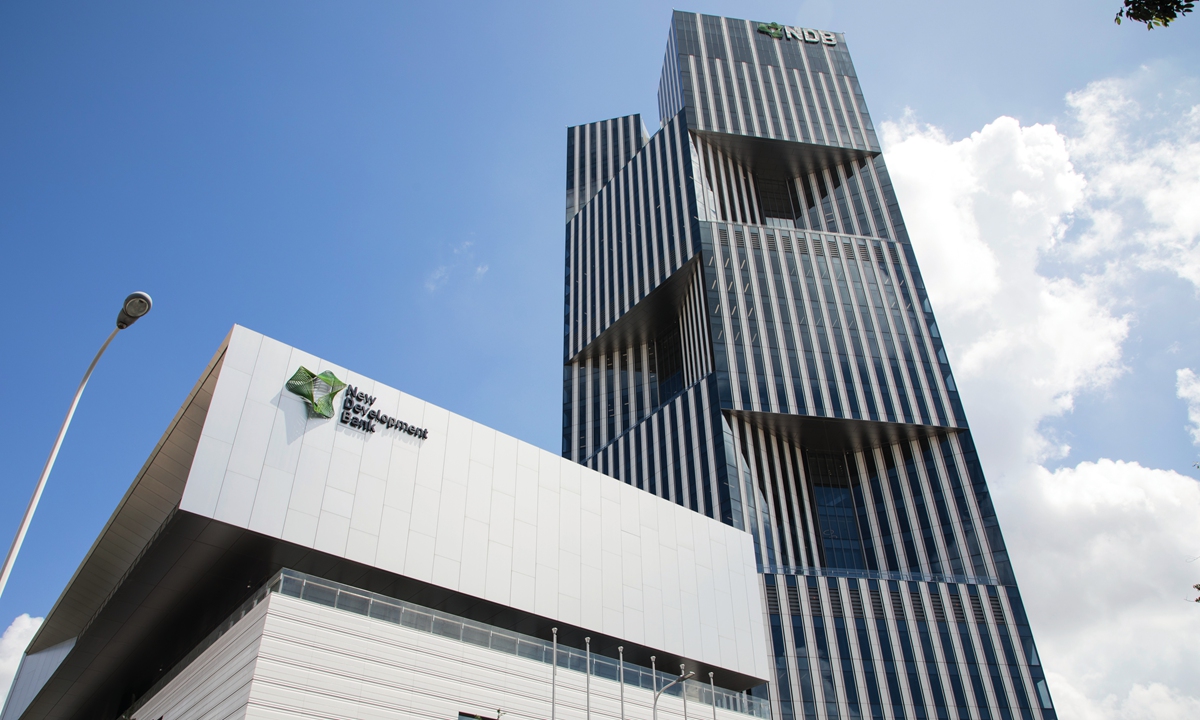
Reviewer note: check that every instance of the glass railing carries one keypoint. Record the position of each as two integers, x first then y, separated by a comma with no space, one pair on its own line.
423,619
877,575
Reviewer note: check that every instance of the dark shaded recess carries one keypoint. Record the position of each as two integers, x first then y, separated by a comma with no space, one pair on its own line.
649,318
783,158
836,510
669,355
777,198
836,434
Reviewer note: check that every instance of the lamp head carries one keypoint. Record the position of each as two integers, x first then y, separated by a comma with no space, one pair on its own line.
135,306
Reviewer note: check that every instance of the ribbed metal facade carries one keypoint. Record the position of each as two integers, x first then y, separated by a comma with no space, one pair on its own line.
748,335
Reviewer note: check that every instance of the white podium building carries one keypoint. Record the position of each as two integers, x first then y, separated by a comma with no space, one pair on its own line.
268,562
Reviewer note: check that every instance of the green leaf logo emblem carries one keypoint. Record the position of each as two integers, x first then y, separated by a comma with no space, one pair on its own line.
317,390
775,30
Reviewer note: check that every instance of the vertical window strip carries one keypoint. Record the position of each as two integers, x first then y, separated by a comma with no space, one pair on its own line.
887,655
829,109
687,213
882,525
947,525
919,497
773,515
932,665
883,324
793,544
812,91
771,371
861,496
782,686
746,483
1019,682
819,324
804,326
753,327
803,656
836,105
950,669
844,656
981,631
796,476
807,104
836,327
900,511
821,643
796,328
792,395
822,107
968,518
911,675
880,382
922,338
838,190
731,302
675,210
852,325
903,340
970,657
850,181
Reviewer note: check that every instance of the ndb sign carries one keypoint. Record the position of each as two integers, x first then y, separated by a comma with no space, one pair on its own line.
785,32
357,411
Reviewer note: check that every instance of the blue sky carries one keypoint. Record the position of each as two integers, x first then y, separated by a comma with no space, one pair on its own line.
382,184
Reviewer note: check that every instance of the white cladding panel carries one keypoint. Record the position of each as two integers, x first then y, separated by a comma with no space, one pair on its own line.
472,510
217,683
293,659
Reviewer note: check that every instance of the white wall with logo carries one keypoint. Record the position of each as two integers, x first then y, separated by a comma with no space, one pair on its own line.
472,510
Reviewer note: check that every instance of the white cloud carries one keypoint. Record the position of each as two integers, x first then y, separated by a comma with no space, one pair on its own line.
1187,388
984,212
462,257
1143,702
12,645
437,278
1101,550
1031,241
1139,142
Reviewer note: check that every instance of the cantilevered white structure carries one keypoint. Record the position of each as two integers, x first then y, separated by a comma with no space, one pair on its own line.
271,562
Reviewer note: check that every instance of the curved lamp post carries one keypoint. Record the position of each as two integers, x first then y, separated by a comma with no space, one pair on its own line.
134,307
654,706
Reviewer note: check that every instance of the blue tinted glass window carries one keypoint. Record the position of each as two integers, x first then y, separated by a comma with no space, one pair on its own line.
839,527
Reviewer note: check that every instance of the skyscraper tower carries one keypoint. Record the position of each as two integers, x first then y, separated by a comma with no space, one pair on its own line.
747,334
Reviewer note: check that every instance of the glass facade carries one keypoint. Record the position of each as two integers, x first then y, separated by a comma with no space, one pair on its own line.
747,333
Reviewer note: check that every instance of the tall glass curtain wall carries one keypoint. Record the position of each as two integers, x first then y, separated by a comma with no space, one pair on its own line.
746,333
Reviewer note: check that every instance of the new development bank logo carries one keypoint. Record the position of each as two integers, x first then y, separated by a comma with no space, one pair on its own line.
317,390
784,32
320,390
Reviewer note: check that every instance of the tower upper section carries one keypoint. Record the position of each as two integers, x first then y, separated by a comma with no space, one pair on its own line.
740,77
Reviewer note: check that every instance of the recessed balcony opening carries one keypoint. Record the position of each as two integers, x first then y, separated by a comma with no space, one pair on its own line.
836,499
776,201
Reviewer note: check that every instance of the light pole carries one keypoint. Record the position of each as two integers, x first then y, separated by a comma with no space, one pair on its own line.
554,677
621,669
134,307
683,689
654,706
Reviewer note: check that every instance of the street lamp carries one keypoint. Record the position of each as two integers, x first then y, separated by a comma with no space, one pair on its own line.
654,706
134,307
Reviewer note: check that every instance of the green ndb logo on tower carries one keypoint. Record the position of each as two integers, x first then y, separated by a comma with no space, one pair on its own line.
320,392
